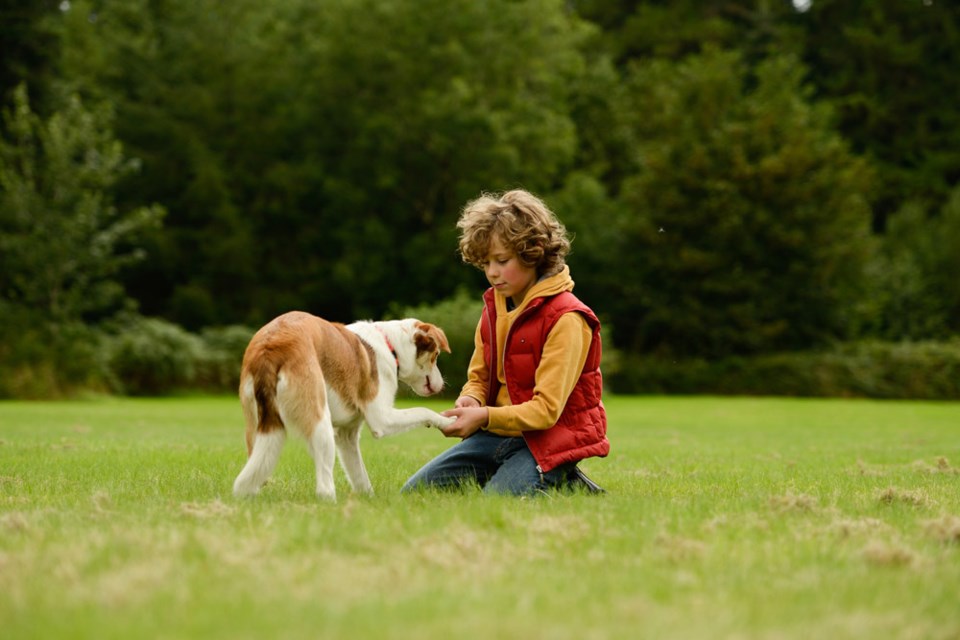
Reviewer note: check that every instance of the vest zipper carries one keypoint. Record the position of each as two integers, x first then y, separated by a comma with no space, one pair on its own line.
503,358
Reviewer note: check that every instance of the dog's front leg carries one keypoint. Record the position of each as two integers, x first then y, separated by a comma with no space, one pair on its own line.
394,421
348,448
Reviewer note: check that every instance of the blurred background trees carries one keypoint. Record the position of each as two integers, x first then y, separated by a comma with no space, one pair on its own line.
63,241
743,178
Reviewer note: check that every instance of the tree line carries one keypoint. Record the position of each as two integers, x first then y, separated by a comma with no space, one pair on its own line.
741,177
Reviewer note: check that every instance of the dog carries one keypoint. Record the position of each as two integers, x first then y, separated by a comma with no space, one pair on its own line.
322,380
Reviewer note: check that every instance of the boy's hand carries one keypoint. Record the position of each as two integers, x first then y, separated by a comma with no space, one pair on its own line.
469,420
466,401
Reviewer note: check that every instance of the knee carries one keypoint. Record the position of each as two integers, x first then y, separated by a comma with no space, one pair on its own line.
512,488
414,483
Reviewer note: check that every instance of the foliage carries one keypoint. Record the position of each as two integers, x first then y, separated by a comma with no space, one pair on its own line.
150,356
294,158
916,292
673,30
743,228
27,45
920,370
39,360
724,518
315,156
890,70
219,367
62,242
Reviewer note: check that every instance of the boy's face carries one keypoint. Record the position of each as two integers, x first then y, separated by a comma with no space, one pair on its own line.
506,273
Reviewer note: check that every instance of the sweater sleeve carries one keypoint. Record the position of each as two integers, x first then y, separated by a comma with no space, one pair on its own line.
564,355
478,375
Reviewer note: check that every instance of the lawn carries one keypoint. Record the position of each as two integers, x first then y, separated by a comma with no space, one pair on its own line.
724,518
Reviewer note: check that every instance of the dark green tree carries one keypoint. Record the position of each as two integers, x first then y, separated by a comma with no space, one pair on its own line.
437,112
174,72
915,293
62,240
744,228
890,69
318,155
27,45
677,28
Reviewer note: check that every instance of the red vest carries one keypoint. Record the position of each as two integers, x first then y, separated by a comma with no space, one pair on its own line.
581,431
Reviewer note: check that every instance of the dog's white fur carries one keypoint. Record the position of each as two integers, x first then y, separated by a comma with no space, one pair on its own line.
323,379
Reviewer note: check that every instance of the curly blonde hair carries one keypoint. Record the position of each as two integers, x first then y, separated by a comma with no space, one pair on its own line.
524,225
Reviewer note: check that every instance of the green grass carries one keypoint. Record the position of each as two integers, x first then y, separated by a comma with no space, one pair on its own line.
724,518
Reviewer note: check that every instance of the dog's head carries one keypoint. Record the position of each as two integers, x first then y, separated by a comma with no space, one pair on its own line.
418,360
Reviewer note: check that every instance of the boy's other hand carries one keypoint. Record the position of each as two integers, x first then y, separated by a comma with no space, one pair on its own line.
469,421
466,401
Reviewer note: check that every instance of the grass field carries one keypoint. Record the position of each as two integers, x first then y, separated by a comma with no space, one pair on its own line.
724,518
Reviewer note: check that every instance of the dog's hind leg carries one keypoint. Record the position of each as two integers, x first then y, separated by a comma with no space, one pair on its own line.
348,448
321,445
263,458
248,404
305,410
264,443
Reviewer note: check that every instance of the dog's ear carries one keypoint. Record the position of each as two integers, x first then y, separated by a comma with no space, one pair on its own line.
429,337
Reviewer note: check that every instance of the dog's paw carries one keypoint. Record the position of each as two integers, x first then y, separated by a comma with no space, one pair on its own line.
443,421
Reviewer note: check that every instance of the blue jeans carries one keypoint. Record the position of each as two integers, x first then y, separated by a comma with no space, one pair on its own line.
499,464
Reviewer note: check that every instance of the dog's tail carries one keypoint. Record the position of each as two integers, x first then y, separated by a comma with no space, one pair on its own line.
262,415
265,392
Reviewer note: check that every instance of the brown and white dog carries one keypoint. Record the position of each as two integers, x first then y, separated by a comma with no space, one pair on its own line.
323,379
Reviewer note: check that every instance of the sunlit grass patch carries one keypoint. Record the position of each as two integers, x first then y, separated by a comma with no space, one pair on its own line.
723,518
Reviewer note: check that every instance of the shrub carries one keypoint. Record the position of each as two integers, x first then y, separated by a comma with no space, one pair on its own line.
129,355
906,370
41,361
219,366
149,356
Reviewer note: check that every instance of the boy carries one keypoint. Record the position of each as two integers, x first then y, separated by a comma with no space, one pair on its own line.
531,408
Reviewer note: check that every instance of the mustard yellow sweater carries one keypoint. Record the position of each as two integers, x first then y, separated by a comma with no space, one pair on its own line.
564,354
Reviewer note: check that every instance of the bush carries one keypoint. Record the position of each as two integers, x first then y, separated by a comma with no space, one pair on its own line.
130,355
42,361
906,370
219,366
149,356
